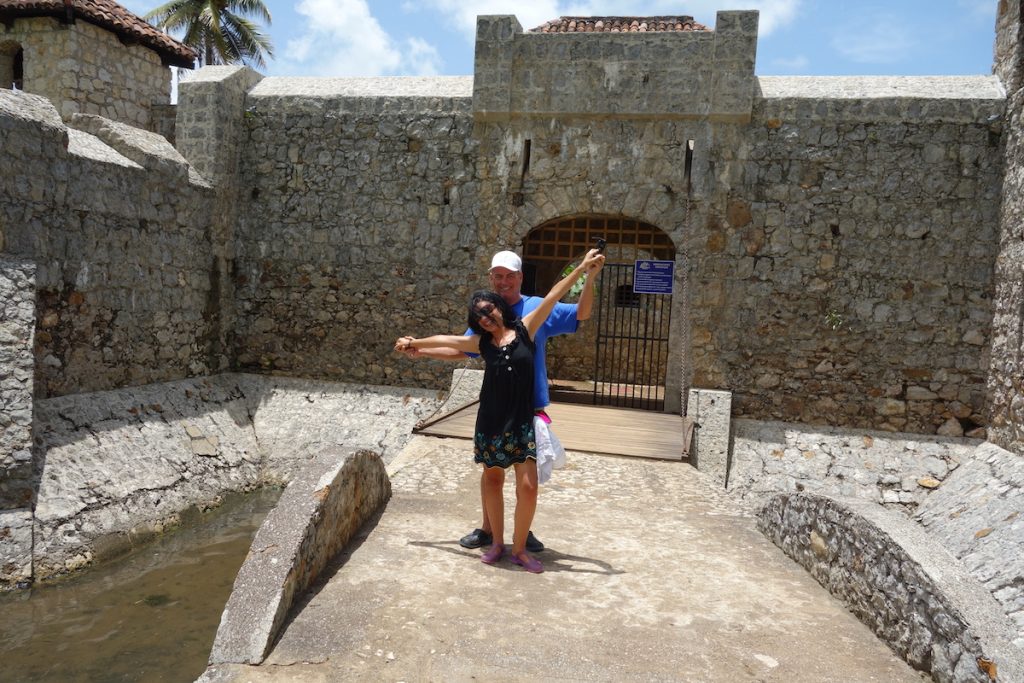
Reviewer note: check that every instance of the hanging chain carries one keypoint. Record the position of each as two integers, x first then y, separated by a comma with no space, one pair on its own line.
684,364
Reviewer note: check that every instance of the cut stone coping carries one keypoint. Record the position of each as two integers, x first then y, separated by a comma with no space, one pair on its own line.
874,87
916,596
316,516
388,86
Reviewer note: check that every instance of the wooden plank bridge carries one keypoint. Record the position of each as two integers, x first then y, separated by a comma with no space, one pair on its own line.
592,429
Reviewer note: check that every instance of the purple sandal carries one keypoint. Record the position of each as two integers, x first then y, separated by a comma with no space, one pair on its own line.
493,554
530,564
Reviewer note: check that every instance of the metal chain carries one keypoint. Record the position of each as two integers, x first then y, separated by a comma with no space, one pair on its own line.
684,364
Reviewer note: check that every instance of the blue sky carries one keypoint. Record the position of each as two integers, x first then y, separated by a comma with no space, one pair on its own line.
797,37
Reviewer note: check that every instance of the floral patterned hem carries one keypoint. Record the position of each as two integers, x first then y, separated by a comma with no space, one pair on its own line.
502,450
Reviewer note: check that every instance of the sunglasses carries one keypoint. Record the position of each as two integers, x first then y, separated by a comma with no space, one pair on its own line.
483,311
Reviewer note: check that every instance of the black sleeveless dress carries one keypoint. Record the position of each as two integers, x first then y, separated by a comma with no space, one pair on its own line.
504,423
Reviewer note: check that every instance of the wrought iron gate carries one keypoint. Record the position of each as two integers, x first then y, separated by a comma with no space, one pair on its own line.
631,357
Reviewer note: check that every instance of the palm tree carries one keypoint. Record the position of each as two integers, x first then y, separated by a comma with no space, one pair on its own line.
219,30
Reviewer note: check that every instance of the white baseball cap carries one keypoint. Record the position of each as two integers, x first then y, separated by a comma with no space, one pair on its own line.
507,259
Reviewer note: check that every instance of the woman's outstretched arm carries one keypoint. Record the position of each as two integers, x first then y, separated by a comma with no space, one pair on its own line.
457,342
535,318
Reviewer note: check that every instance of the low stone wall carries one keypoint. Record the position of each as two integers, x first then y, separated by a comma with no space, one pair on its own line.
112,468
894,469
326,503
900,582
119,465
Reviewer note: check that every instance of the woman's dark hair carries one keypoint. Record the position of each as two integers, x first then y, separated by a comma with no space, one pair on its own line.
507,315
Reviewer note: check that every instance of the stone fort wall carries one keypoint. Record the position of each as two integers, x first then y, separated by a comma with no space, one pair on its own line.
851,263
118,230
358,205
838,240
870,206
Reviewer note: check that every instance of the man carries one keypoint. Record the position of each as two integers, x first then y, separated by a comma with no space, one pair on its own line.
506,278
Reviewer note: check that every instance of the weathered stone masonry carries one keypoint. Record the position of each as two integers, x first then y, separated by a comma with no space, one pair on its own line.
1006,379
365,206
358,213
63,62
870,203
119,231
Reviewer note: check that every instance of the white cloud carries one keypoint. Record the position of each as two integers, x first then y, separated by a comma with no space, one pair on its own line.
422,58
462,14
882,43
343,38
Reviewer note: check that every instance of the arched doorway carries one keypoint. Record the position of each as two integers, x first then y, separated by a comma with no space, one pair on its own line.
620,357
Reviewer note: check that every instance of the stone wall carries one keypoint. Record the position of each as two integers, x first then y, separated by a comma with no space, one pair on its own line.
892,469
119,228
358,222
112,468
17,325
850,269
83,68
1006,379
901,583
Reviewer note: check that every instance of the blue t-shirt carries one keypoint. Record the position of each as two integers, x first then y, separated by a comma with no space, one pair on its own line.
561,321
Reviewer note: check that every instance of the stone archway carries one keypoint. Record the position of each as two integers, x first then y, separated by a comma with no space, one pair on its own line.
622,355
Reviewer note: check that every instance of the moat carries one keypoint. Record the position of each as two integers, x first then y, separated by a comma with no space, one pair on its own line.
150,615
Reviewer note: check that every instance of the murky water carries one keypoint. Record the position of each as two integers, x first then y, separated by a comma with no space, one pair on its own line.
148,616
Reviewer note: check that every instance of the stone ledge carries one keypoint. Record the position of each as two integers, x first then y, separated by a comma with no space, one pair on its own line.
905,586
316,516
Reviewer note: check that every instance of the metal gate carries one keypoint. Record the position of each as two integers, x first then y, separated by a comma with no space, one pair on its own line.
631,330
631,358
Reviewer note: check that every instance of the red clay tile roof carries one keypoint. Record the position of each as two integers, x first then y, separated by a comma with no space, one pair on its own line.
106,14
619,25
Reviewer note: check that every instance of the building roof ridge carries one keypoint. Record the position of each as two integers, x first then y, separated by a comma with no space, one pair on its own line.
620,24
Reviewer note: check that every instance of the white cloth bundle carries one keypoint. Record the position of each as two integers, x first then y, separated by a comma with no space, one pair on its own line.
550,453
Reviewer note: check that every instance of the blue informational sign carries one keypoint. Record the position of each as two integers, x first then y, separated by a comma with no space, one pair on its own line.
653,277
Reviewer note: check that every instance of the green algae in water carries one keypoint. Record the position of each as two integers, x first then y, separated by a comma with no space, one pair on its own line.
150,615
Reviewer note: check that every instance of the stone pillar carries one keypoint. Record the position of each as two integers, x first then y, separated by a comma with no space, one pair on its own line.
732,85
1006,369
209,131
492,65
17,326
711,411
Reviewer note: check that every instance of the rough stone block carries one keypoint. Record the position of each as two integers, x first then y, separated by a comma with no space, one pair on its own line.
712,413
15,547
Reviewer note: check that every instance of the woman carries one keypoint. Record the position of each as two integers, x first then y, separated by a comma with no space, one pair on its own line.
504,424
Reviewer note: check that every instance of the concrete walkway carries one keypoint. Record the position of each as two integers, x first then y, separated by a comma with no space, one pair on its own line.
650,575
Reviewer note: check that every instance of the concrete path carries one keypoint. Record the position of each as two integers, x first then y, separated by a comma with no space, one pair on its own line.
650,575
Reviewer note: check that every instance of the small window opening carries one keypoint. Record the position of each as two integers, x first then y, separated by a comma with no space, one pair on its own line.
688,165
12,67
625,297
526,158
